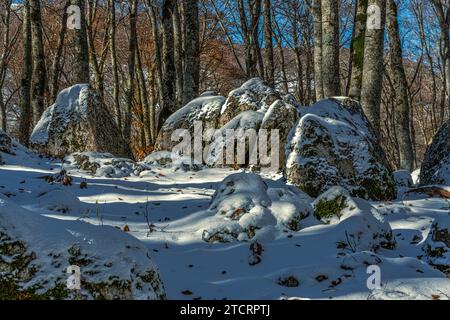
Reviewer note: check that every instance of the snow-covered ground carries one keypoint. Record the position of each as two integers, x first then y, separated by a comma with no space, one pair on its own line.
167,210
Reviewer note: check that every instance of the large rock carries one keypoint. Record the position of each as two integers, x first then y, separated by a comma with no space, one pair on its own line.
35,252
436,247
333,144
254,95
5,144
78,122
436,165
205,109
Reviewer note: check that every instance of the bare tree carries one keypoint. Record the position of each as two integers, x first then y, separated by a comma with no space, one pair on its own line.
39,77
113,53
268,50
330,48
81,47
56,64
192,50
357,49
169,72
250,28
25,92
131,71
372,80
401,89
316,8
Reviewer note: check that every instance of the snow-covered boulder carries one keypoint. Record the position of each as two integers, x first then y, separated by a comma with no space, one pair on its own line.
436,165
245,208
403,179
62,201
253,95
437,245
105,165
281,116
78,122
36,251
205,109
359,225
334,144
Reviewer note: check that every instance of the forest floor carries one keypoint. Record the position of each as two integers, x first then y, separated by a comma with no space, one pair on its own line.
176,204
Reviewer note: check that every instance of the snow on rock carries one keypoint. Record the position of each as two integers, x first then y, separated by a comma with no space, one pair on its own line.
437,245
403,179
253,95
205,109
334,144
359,225
246,208
77,122
105,165
436,165
35,252
281,116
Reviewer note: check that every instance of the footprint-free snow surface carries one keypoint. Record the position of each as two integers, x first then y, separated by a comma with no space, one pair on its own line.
168,211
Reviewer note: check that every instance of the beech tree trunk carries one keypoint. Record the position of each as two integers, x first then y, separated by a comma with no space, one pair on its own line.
400,89
372,80
317,25
330,48
25,88
39,77
357,54
192,50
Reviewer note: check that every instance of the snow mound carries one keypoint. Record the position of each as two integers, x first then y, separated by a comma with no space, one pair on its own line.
61,201
334,144
36,251
359,225
245,208
105,165
436,165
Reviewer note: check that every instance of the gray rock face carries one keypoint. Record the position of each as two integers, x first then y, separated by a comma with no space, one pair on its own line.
254,105
77,122
205,109
436,165
35,252
333,144
5,144
254,95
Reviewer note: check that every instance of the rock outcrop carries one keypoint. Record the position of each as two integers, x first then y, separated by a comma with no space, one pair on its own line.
333,144
436,165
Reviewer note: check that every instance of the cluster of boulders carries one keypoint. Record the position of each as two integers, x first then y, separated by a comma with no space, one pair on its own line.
330,143
327,144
